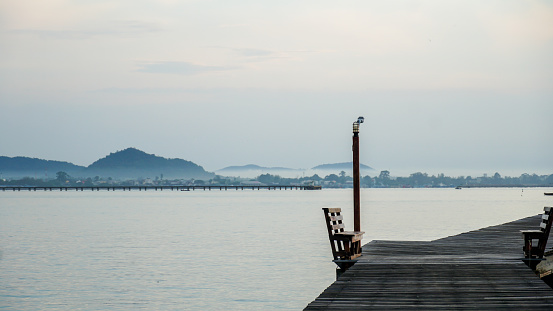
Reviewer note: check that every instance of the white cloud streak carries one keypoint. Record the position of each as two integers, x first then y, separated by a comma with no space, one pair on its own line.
180,68
115,28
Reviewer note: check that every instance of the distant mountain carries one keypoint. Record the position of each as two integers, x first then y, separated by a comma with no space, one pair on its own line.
335,168
341,166
134,163
33,167
126,164
252,170
253,167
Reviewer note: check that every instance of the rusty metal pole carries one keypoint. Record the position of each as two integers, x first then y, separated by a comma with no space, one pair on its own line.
356,178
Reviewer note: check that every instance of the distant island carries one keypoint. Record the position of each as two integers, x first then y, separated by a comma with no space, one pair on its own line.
129,163
135,167
134,163
252,170
17,167
342,166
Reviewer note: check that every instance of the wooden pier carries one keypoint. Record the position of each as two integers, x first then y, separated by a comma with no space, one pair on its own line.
154,188
477,270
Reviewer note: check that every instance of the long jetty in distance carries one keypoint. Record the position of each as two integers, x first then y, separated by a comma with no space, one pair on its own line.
156,188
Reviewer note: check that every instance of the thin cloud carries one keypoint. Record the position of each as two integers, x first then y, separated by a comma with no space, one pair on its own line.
157,90
268,54
250,55
254,55
129,28
180,68
254,52
258,55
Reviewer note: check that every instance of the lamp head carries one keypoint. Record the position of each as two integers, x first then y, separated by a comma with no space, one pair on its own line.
356,125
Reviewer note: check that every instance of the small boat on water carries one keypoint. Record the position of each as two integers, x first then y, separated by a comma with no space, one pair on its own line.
548,193
312,187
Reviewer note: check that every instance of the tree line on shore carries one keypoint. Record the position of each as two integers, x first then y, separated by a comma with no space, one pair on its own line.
384,180
341,180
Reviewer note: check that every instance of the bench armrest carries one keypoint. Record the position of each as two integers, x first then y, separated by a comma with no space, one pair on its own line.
532,234
349,236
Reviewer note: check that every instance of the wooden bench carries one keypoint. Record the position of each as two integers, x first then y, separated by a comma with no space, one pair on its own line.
534,253
346,245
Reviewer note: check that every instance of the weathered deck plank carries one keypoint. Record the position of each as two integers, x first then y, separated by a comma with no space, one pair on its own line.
477,270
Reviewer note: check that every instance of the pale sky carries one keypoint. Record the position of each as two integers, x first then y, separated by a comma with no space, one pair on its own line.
459,87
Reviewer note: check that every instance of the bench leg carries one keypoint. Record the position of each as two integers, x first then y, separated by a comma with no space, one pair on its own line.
358,249
528,254
347,249
528,248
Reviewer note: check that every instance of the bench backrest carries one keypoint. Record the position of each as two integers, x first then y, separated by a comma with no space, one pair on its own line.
334,220
545,226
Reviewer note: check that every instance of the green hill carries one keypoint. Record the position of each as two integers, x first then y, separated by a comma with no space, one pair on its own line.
33,167
130,163
134,163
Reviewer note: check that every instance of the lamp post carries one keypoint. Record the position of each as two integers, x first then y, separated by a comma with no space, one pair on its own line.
356,181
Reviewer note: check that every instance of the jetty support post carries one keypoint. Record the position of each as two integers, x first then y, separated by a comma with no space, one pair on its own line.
356,177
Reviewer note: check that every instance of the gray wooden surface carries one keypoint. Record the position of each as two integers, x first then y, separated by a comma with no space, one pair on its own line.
477,270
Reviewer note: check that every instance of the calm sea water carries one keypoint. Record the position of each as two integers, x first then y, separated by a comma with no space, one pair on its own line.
211,250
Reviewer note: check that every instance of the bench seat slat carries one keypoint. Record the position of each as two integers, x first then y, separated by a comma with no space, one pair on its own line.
336,218
351,233
349,236
530,231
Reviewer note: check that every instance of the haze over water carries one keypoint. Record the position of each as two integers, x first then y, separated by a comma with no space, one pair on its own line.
212,250
453,87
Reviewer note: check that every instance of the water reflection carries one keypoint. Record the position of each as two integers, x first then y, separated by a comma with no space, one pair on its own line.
218,250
